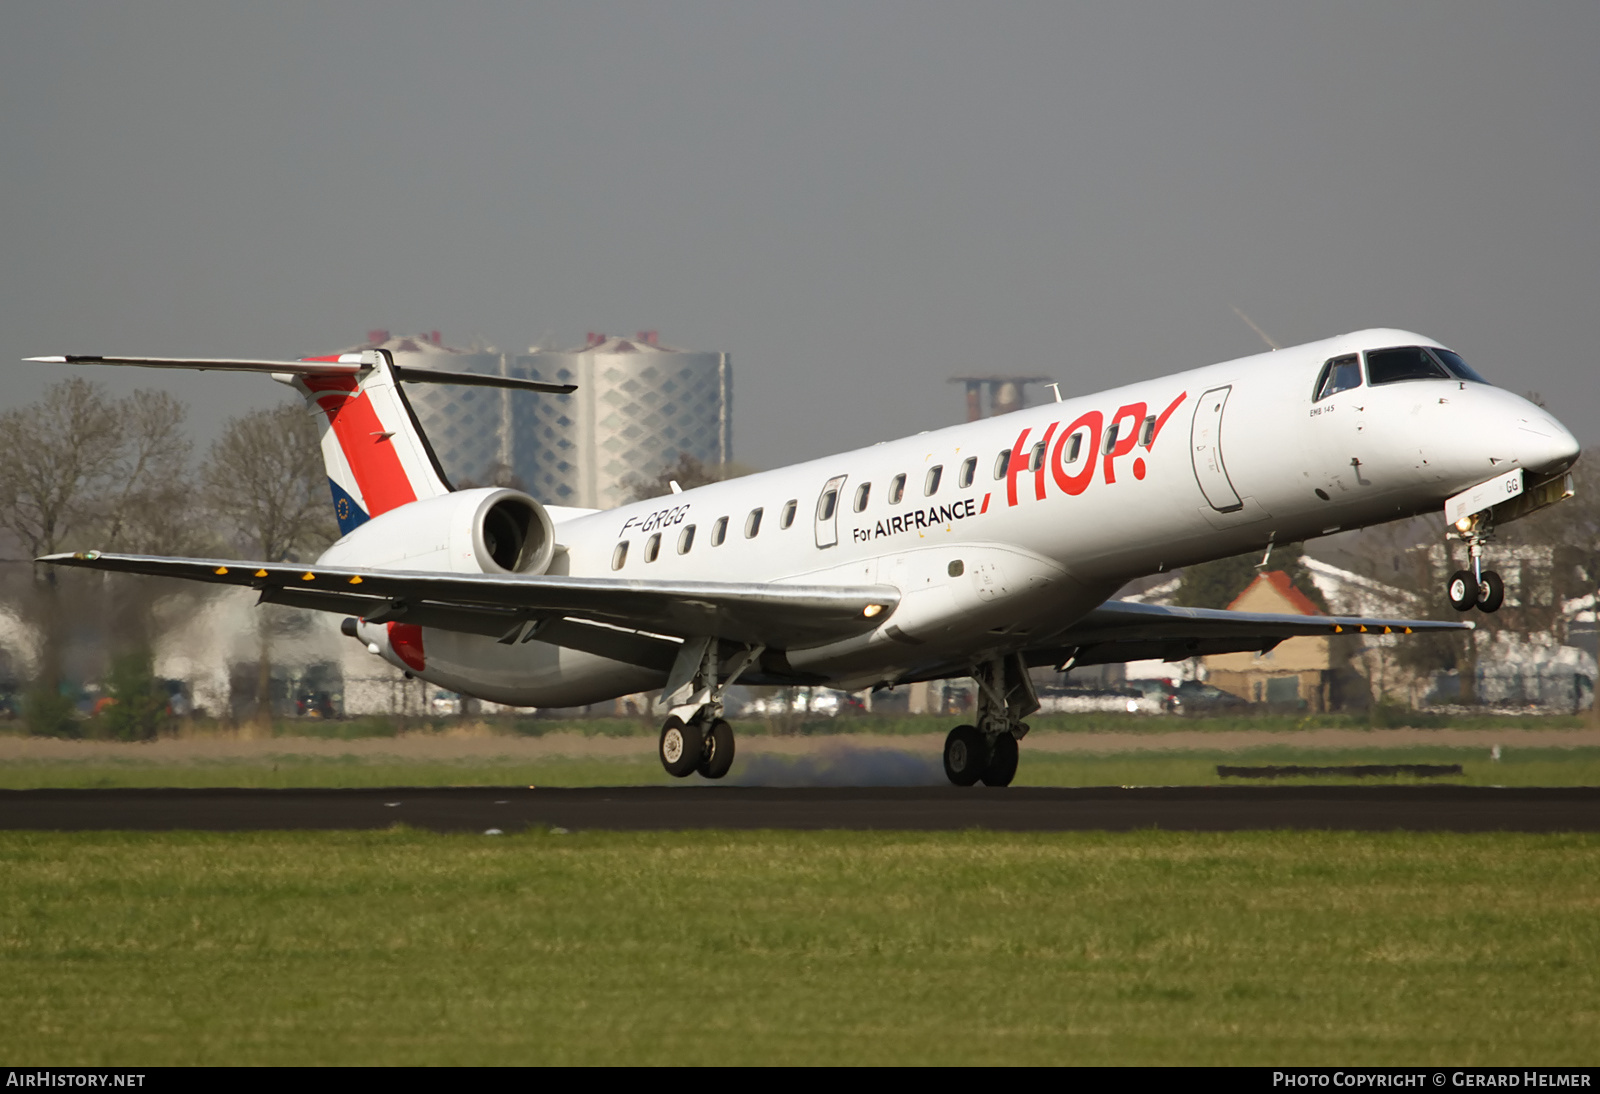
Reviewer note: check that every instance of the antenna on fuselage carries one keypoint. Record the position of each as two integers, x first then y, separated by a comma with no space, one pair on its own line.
1251,323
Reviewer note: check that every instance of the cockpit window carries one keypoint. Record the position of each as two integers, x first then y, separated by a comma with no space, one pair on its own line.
1339,374
1455,364
1393,366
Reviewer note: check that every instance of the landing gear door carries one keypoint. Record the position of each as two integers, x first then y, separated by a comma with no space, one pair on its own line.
1206,449
828,512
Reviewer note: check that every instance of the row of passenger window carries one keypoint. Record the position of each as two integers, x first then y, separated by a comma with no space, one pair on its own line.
863,494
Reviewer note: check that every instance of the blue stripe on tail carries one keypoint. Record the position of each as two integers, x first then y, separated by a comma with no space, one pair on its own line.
349,514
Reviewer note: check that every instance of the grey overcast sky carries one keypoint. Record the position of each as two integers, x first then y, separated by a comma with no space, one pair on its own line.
855,201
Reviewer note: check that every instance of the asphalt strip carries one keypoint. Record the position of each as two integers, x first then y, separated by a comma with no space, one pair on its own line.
1014,809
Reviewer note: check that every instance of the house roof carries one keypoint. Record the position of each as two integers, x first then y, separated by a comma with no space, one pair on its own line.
1283,587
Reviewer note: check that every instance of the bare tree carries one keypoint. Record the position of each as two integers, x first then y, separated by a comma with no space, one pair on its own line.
496,474
60,455
264,478
687,472
150,506
265,481
83,470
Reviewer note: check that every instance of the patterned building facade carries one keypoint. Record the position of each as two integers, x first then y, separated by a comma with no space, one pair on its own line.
639,406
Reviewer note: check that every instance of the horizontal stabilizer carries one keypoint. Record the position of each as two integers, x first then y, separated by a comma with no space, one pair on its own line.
220,364
349,364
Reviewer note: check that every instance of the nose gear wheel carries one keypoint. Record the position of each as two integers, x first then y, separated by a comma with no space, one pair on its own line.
1462,589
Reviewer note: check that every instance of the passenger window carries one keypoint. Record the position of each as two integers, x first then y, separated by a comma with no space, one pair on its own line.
1393,366
652,547
1036,457
969,471
620,555
897,489
719,531
1111,439
863,492
1001,462
1339,374
931,486
1147,435
752,524
788,513
686,540
826,506
1075,448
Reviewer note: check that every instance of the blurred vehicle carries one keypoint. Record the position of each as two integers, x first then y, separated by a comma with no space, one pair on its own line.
313,704
1161,694
446,702
1090,700
1197,698
824,701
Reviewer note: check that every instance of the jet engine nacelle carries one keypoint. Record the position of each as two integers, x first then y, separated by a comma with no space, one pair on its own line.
490,530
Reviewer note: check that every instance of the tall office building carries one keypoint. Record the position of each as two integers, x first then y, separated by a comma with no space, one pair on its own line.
639,406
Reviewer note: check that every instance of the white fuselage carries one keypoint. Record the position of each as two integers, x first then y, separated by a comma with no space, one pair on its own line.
1205,464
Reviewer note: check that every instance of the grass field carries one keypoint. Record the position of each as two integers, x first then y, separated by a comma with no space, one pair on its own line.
829,765
402,947
880,724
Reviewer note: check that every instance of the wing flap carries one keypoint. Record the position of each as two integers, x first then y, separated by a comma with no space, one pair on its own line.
1120,631
1124,619
777,616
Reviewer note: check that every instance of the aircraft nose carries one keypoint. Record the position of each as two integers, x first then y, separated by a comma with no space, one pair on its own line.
1546,446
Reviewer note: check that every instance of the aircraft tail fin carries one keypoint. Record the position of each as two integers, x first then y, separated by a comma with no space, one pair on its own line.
373,448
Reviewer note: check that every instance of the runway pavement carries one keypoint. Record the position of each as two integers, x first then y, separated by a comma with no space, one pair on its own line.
1019,809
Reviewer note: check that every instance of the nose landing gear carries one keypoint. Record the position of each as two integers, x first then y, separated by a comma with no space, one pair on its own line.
1477,587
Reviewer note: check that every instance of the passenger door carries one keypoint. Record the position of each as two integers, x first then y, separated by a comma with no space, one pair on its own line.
828,512
1206,449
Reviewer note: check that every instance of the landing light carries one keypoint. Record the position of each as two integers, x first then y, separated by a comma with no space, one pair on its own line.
871,610
1465,524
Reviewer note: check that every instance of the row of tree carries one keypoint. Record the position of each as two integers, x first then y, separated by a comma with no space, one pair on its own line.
84,469
1548,560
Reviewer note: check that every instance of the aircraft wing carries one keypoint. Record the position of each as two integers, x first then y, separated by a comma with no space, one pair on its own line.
1120,630
503,605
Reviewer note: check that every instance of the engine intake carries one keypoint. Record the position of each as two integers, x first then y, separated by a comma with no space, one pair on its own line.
490,530
515,535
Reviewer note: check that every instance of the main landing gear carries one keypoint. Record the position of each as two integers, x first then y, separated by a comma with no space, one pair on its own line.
695,738
699,745
988,751
1477,587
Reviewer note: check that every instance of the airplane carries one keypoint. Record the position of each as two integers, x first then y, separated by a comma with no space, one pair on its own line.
983,549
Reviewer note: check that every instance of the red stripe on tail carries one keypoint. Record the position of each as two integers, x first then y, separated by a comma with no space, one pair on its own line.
365,443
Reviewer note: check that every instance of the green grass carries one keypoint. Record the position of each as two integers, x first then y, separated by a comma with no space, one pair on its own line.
402,947
1378,718
290,771
1517,767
